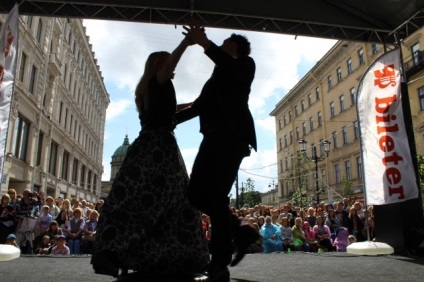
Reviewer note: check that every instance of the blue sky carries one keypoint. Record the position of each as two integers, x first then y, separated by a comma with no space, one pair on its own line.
121,50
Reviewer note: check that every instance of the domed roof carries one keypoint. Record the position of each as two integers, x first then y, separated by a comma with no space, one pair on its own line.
122,150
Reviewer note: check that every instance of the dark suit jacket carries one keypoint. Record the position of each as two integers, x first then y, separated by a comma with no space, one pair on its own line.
222,106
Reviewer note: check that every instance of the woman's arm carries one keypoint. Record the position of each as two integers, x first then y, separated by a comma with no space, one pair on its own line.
168,69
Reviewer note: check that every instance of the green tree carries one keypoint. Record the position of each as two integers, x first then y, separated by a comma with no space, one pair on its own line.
421,173
245,195
252,198
347,190
302,170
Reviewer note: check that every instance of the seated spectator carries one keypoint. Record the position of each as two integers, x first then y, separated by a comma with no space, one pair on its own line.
261,221
286,213
256,247
299,239
44,220
60,247
311,218
11,240
90,228
7,218
62,220
356,225
44,247
341,242
286,235
272,236
53,231
274,218
53,209
74,232
332,222
351,239
371,226
322,234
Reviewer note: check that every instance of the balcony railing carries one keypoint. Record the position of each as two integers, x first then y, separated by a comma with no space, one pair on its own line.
414,63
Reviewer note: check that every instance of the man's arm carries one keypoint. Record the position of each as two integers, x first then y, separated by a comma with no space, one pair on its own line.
187,113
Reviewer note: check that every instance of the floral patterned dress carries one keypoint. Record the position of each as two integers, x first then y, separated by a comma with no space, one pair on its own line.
147,223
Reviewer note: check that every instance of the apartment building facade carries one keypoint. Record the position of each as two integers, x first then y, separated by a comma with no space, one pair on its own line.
322,107
57,122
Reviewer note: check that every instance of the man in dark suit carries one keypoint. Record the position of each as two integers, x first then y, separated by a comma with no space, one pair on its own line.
228,135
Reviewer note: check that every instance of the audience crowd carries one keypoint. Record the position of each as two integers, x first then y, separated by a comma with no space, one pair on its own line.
43,225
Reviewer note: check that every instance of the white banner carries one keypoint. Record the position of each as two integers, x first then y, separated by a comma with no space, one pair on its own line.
8,54
388,169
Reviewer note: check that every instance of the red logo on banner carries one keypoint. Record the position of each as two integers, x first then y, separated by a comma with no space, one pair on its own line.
385,77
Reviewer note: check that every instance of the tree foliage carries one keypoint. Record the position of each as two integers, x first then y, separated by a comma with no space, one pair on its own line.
421,172
347,191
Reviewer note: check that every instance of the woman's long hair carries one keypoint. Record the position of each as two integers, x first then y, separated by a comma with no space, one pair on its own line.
154,63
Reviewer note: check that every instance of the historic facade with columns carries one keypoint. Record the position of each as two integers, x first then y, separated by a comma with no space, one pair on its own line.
56,128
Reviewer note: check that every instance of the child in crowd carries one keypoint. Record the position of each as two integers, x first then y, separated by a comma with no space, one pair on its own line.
11,240
60,248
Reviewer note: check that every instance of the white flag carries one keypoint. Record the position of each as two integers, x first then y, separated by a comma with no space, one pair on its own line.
388,168
8,53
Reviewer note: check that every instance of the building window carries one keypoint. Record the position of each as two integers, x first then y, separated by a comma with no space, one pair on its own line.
359,167
330,82
332,113
75,171
66,118
347,166
297,133
53,158
279,124
304,128
32,81
82,178
421,97
353,95
39,148
291,137
286,161
290,116
335,146
356,129
21,138
302,105
323,179
319,119
65,165
281,166
345,137
311,123
337,172
89,180
284,120
295,111
349,66
339,74
317,93
361,56
281,144
342,104
374,48
285,140
39,30
22,66
309,99
415,52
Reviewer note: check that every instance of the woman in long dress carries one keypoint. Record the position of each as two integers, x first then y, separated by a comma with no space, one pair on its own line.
147,223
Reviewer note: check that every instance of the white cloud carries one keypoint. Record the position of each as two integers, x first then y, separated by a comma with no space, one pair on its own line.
117,108
266,123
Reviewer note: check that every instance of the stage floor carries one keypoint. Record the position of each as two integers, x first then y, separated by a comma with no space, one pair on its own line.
311,267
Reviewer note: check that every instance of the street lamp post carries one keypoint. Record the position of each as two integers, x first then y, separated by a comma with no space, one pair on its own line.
274,191
316,159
